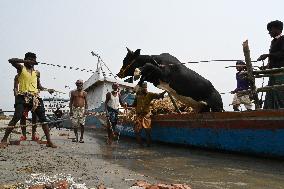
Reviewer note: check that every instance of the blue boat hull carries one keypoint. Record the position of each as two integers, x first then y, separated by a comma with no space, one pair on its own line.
259,133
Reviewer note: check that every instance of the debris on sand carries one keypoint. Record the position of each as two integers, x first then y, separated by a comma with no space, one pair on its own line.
42,181
145,185
60,181
64,134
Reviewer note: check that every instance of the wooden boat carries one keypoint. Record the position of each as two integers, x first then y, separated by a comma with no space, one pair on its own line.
254,132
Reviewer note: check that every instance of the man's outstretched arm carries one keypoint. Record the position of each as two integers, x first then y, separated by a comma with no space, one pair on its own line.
16,62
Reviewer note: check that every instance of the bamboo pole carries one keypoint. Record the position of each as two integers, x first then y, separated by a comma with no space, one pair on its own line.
262,89
268,88
268,75
250,73
268,71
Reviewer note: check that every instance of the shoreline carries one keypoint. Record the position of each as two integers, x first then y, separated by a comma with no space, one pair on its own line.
85,162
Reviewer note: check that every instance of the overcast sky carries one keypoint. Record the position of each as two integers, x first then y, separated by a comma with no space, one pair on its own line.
64,32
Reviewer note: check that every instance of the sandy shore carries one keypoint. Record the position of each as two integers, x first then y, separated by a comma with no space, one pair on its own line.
86,163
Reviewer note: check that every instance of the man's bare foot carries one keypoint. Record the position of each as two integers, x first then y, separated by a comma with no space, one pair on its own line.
109,141
51,145
35,138
23,138
3,144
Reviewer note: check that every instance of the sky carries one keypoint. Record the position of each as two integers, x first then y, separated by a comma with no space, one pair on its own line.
64,32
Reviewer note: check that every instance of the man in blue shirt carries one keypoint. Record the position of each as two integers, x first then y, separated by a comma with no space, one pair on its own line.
242,84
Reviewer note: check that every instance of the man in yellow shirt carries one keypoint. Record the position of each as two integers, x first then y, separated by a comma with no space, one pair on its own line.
25,114
142,106
27,96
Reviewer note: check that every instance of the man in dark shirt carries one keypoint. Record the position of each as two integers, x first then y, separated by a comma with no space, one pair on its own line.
275,98
242,84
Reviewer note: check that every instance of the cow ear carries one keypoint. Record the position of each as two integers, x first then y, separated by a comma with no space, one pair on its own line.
129,51
137,52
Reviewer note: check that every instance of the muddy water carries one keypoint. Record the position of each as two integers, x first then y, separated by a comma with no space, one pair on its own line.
199,168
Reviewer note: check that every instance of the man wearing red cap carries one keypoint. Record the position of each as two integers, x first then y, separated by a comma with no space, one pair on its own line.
78,109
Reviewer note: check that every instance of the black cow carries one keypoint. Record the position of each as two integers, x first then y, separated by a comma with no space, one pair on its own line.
168,73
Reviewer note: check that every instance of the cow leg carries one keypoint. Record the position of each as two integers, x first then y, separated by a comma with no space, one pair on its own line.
215,102
150,73
205,109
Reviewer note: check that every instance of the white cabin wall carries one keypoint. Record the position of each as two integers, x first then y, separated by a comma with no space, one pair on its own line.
95,97
96,94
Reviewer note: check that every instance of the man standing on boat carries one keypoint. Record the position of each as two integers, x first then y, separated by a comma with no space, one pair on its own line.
112,102
78,110
275,98
28,96
242,84
142,106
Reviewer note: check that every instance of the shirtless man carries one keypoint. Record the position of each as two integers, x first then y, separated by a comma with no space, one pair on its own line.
78,109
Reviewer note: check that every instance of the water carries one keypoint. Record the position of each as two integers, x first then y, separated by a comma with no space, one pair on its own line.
200,169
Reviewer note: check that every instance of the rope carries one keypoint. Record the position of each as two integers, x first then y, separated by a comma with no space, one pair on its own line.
190,62
115,77
54,91
218,60
3,111
100,60
67,67
261,96
104,64
34,124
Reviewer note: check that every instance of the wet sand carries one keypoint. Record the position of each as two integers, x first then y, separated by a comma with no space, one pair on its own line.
199,168
123,163
87,163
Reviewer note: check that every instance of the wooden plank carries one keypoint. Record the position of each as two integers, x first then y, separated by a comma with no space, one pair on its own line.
269,75
268,71
262,89
250,73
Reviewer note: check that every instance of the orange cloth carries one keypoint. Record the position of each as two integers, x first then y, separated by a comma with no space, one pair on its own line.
142,121
143,102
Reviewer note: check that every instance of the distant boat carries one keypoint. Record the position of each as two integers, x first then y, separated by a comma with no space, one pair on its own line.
50,105
256,132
